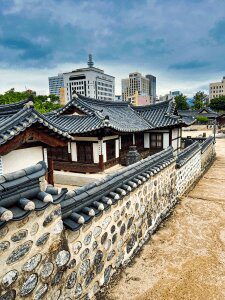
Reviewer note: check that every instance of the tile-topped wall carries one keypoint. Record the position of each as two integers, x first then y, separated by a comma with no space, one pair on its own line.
42,260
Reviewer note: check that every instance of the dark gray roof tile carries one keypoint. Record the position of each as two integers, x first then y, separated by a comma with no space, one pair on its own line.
119,116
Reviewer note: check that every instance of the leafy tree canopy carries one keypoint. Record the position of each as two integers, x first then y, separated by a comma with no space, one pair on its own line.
218,103
181,102
202,119
42,103
200,100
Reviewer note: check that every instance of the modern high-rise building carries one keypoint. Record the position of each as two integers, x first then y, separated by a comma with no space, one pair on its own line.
91,82
152,87
139,89
217,89
55,84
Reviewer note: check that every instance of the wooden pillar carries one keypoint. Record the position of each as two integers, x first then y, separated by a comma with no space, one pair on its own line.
101,163
100,152
50,177
170,137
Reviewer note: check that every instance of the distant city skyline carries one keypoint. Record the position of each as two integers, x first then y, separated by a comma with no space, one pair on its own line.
185,51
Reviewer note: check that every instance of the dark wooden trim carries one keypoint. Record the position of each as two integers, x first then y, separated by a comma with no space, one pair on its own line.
76,167
176,138
170,137
50,176
29,135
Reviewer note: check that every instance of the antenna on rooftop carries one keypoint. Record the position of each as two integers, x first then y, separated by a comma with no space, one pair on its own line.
90,61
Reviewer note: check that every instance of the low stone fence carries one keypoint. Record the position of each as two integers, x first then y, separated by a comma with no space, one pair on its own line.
47,255
188,167
207,152
192,162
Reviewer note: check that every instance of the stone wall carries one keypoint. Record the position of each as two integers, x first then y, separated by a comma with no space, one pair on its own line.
207,153
192,162
32,251
42,260
189,168
101,247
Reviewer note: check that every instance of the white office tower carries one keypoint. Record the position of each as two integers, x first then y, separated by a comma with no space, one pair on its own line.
55,84
90,82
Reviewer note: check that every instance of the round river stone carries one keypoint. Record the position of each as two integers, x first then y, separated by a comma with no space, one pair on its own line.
29,285
19,252
9,278
32,263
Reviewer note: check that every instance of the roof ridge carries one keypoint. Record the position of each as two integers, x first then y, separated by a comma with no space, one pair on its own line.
15,117
12,108
34,116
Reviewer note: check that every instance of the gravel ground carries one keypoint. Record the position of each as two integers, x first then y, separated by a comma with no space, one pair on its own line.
185,258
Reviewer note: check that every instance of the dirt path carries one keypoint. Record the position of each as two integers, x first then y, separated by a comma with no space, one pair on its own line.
185,259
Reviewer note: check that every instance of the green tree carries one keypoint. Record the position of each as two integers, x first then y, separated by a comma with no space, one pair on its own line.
42,103
218,103
202,119
200,100
181,102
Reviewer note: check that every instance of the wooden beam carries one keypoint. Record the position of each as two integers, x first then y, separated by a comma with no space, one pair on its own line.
29,135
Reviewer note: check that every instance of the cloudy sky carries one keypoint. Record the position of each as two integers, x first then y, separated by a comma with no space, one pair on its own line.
181,42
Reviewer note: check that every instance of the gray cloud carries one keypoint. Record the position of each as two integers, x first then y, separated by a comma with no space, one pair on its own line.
170,38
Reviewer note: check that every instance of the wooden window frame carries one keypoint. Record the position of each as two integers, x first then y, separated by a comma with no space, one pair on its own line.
139,140
110,149
85,150
156,140
125,145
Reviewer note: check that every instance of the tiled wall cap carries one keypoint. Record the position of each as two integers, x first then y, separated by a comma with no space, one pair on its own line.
77,218
5,214
121,191
106,200
45,197
98,205
26,204
89,211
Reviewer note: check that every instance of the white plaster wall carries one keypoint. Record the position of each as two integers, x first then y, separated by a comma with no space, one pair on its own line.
175,133
69,147
104,152
74,151
174,144
179,143
146,140
95,153
117,148
166,140
21,158
45,155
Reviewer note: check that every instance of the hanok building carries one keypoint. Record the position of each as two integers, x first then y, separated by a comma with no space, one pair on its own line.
103,131
206,112
25,135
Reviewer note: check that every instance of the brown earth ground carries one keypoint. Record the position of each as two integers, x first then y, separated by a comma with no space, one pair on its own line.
185,258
